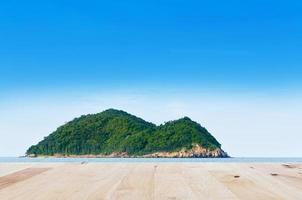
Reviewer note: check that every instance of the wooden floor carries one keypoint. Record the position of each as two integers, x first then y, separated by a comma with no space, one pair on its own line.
139,181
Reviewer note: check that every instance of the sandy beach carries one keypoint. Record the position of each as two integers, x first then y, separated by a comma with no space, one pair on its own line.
137,181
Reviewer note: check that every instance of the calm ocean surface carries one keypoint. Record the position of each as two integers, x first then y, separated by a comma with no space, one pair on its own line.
147,160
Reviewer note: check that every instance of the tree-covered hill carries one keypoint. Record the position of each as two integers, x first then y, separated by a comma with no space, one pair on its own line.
119,133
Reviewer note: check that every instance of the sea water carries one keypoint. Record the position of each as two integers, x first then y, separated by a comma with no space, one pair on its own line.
148,160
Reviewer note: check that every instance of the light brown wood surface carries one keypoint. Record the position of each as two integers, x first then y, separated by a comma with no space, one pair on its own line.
139,181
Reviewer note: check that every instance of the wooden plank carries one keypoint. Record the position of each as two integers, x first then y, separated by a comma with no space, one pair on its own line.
11,179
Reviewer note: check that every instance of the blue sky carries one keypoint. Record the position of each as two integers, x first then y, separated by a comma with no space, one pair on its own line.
223,44
165,51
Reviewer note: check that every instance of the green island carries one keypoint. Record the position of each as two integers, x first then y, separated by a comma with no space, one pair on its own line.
115,133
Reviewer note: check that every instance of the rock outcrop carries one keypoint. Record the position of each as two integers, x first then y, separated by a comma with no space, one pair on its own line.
196,152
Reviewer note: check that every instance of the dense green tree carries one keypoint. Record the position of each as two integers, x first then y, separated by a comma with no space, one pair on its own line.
117,131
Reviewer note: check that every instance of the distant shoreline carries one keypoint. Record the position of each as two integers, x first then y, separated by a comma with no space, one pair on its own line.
195,152
119,156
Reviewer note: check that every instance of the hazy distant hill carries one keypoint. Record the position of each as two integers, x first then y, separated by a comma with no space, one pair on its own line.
115,133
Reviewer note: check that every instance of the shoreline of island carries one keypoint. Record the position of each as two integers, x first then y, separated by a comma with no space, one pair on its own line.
195,152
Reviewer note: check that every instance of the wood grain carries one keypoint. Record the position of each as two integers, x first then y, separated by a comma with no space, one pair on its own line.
139,181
